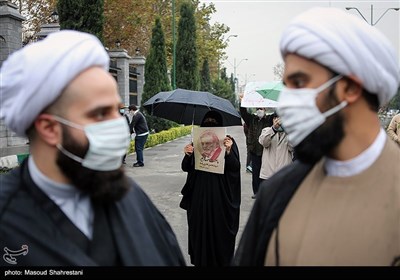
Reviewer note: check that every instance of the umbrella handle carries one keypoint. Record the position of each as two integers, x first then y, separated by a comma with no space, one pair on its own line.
194,110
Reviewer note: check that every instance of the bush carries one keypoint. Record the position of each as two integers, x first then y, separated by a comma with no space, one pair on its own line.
163,137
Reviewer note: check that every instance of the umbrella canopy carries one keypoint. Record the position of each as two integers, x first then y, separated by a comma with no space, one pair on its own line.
189,107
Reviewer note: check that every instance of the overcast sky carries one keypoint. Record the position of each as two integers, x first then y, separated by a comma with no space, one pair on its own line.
259,25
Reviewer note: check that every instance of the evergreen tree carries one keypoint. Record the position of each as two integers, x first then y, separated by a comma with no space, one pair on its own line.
205,81
156,75
86,16
395,102
223,87
187,73
232,83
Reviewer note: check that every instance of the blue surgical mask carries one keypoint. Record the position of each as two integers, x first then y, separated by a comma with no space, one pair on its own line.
299,112
108,142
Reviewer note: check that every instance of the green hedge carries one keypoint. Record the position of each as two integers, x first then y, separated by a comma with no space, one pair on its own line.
162,137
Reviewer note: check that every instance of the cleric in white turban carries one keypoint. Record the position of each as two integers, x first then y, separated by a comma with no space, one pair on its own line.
337,204
347,45
34,76
71,201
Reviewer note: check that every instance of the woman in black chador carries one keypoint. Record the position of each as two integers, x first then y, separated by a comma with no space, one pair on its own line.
212,202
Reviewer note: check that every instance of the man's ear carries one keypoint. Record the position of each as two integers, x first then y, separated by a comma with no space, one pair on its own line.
352,89
48,129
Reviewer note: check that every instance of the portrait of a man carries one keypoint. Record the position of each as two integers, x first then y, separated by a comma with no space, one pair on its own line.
209,149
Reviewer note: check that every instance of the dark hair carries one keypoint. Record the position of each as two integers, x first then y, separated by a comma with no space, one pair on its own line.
372,100
132,107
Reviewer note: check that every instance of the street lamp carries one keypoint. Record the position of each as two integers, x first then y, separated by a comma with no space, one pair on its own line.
232,35
235,66
372,23
173,47
54,16
223,42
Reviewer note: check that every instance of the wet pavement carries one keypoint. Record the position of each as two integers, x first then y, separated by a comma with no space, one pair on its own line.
162,179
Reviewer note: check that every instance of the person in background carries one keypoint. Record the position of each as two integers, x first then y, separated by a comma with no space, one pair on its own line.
248,155
123,113
139,126
338,204
393,129
70,202
255,124
278,152
212,202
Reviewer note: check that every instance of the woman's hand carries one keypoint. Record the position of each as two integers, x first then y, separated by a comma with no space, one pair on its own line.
228,144
188,149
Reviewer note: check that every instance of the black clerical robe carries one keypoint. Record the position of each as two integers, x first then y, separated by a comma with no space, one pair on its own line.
212,202
35,231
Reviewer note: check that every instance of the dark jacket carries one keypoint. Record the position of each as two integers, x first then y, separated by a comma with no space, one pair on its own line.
255,126
28,217
139,124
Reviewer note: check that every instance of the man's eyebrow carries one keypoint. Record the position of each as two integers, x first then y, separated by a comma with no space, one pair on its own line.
100,108
295,75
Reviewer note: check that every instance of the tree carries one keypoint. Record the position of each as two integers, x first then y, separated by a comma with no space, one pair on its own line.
395,102
156,74
223,87
86,16
205,81
36,13
278,69
156,64
123,18
187,73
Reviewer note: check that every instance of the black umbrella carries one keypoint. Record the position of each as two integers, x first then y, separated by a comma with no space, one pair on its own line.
189,107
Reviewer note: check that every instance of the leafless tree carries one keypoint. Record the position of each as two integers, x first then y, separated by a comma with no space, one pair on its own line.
278,70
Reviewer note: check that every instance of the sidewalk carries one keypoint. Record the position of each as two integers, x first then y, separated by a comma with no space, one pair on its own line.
162,179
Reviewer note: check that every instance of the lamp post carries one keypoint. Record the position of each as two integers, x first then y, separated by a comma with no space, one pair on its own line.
372,23
173,47
223,42
54,16
235,66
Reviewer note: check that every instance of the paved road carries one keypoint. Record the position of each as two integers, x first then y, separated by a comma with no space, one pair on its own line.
162,179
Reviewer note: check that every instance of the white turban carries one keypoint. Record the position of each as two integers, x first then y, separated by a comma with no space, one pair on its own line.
34,76
347,45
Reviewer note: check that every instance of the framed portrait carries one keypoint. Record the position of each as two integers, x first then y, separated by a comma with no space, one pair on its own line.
209,149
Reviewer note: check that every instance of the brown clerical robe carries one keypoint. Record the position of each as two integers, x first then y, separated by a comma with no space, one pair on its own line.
343,221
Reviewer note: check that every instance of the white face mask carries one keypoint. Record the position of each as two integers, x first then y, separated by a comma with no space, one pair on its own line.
260,113
108,142
299,112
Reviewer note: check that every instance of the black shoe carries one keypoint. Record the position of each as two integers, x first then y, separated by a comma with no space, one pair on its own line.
253,196
137,164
